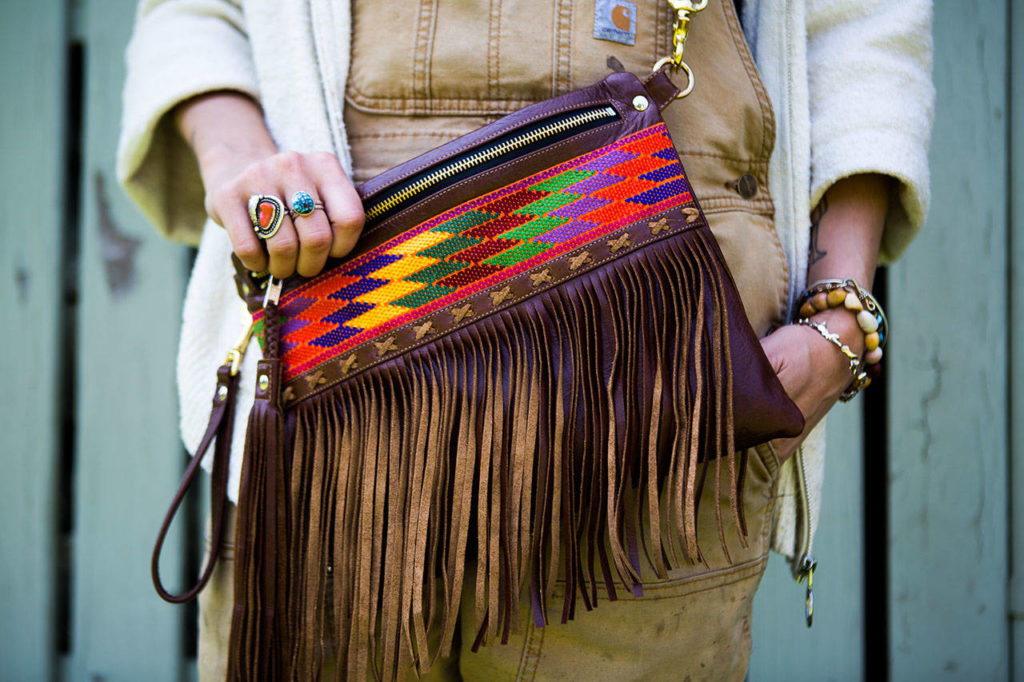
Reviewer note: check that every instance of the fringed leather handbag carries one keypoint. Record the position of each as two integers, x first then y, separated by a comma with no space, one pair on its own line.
522,374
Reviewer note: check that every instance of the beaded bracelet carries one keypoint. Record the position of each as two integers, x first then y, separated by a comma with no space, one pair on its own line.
847,293
833,293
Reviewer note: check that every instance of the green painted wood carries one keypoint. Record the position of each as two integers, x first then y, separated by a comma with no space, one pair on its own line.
784,648
129,452
1016,84
32,78
948,369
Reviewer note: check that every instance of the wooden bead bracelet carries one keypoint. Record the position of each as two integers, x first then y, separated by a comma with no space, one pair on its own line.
849,295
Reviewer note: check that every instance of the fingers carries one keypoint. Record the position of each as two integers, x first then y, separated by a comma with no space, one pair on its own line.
334,230
342,205
234,218
303,243
315,237
283,249
803,361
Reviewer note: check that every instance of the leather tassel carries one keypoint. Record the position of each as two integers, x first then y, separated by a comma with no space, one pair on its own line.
260,643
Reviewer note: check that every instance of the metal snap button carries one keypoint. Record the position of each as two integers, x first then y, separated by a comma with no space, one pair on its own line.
746,186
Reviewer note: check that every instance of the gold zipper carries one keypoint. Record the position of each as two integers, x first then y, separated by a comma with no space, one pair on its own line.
807,562
488,154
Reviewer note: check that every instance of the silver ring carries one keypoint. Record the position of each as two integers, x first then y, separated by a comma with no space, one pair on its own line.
293,214
265,211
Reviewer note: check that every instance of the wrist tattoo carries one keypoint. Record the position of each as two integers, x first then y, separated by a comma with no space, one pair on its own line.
816,254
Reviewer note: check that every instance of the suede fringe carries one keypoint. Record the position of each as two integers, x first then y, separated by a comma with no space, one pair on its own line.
557,439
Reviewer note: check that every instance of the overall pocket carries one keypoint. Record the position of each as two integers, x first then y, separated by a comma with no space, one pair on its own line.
478,58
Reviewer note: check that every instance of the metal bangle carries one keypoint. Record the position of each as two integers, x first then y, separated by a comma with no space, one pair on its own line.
860,377
860,383
834,339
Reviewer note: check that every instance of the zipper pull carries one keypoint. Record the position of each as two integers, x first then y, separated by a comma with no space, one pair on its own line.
807,568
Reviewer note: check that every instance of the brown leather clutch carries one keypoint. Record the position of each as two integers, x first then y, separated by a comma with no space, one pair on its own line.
536,330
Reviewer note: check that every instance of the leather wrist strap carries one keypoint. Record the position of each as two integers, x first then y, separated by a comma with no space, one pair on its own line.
218,431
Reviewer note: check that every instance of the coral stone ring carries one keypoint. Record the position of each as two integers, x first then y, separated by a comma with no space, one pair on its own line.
266,212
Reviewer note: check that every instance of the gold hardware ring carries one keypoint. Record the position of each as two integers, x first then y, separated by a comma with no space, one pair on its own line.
660,64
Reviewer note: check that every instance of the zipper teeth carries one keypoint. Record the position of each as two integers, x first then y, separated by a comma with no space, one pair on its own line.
805,499
456,167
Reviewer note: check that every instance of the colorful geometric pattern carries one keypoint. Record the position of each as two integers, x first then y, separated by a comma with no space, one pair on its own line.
480,244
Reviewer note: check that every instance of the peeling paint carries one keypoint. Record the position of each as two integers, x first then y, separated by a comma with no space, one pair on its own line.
21,282
930,397
978,519
116,247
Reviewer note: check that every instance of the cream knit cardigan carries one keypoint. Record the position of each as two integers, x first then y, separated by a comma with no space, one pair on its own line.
850,82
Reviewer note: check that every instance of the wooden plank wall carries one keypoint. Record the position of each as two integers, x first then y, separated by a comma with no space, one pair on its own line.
31,172
950,435
1016,317
833,649
129,456
948,417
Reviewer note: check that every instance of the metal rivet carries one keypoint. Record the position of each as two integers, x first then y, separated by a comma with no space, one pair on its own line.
245,289
263,382
640,103
222,392
747,186
330,569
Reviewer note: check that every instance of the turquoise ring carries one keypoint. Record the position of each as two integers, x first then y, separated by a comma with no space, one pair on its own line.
303,204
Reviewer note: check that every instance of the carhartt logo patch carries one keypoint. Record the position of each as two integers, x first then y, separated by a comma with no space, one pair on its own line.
615,20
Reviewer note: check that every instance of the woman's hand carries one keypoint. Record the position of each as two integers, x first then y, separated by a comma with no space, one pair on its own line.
811,369
237,158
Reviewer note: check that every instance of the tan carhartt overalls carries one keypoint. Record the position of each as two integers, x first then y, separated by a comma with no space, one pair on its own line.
428,71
